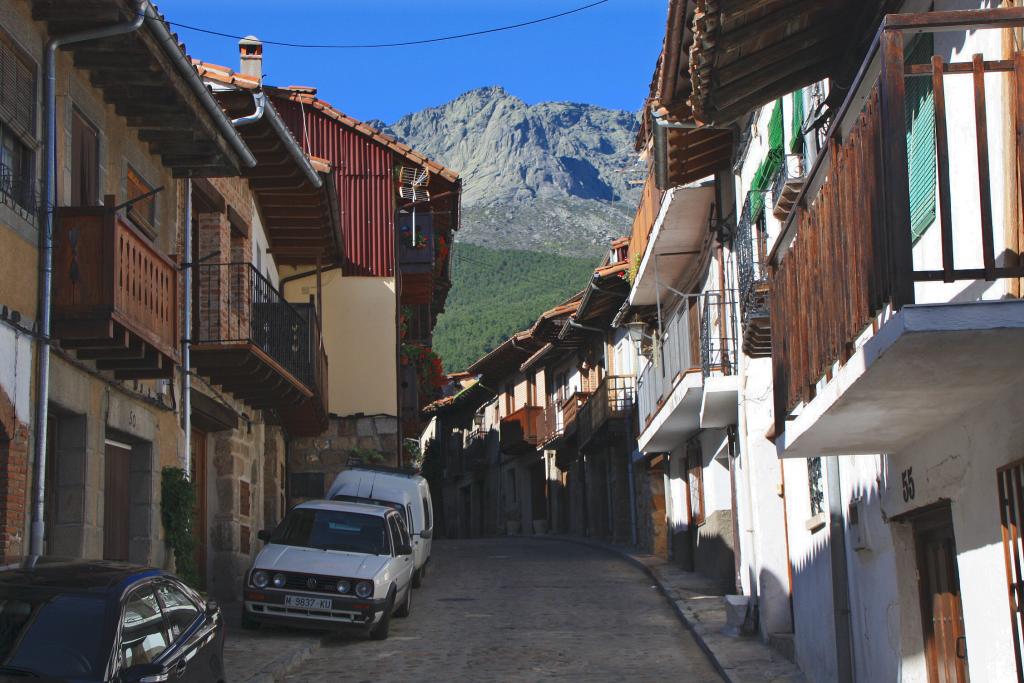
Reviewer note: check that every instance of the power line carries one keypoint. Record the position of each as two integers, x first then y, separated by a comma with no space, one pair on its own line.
424,41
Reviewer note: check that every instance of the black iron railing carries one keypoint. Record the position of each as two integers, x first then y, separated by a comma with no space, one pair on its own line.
19,193
753,274
718,347
237,304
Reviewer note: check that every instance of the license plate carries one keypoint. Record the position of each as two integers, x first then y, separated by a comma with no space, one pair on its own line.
306,603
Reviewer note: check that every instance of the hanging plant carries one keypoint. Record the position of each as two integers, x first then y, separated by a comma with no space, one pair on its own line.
429,369
177,503
440,252
417,241
403,321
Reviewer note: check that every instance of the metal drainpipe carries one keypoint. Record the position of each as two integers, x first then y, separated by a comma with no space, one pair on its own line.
840,576
186,340
46,259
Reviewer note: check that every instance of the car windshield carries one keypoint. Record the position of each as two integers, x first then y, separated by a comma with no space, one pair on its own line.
376,501
333,530
53,635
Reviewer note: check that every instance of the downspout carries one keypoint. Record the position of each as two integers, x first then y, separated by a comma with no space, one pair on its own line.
186,340
46,259
840,576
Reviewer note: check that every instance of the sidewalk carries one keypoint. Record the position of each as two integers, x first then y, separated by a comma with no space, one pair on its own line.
740,659
265,655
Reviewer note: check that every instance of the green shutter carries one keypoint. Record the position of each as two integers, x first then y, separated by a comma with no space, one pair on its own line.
796,138
765,173
920,117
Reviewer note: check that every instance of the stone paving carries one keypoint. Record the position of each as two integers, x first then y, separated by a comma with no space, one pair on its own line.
514,609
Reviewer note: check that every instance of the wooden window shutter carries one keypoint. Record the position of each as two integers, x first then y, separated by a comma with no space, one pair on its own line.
17,90
145,208
1010,480
84,162
920,116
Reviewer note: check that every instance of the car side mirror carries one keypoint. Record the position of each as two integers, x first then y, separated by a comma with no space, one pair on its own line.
405,549
212,608
263,535
425,534
146,673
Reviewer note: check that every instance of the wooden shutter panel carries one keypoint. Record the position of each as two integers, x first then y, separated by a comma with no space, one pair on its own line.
920,116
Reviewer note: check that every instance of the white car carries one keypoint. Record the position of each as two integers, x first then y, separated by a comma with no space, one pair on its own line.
401,489
332,565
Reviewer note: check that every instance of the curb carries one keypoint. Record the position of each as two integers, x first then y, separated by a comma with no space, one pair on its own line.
622,554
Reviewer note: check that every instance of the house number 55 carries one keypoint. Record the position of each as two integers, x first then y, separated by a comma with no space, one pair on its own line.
908,484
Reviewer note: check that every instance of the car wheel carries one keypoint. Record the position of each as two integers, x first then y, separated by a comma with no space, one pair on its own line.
417,577
406,607
380,630
248,623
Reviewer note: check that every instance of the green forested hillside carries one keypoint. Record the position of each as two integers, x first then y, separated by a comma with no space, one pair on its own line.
498,292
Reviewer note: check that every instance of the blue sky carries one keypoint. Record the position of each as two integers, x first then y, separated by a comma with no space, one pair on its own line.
604,55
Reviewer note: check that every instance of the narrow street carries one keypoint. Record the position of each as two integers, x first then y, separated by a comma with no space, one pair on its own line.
516,609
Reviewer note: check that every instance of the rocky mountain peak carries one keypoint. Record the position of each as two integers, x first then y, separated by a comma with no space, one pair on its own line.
552,175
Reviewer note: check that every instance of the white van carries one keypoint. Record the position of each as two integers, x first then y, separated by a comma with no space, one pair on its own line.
402,490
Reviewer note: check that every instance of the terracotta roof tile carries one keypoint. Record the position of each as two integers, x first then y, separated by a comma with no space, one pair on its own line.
222,74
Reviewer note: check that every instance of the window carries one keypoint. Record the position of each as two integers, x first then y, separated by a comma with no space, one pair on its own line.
814,486
396,534
427,522
332,530
920,118
143,210
31,623
695,478
17,127
143,637
180,611
85,165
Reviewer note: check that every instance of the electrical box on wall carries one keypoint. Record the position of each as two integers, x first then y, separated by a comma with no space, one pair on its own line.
857,525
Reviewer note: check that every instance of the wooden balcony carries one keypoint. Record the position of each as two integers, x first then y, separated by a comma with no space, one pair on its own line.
846,277
751,251
788,183
115,295
474,451
260,348
611,403
520,432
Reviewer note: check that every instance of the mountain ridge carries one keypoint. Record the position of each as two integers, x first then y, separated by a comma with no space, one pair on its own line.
552,176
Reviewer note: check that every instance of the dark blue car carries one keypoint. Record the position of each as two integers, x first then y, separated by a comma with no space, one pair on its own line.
81,620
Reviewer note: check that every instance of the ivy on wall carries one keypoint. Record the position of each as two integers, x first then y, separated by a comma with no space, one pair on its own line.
177,503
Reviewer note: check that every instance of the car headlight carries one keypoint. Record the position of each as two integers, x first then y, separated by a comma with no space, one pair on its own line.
260,578
278,580
364,589
344,585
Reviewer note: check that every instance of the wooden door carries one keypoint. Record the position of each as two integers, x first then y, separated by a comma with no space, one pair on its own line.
116,501
198,472
942,616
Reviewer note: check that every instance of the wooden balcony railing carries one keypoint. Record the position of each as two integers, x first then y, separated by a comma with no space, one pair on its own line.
115,294
613,400
845,254
521,431
643,221
676,354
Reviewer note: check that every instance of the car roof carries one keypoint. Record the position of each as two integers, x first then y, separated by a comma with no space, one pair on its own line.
74,575
345,506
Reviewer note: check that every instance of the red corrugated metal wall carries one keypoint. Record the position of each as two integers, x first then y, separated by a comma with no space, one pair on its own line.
366,192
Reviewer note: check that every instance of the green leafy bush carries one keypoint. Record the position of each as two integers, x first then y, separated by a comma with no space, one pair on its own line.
177,505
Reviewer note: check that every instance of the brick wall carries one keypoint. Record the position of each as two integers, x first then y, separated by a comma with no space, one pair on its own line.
13,479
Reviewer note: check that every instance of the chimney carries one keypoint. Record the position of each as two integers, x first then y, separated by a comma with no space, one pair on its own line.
250,51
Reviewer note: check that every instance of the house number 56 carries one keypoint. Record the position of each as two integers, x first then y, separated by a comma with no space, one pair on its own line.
908,484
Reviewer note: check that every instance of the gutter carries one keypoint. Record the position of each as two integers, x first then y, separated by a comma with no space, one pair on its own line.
195,83
38,527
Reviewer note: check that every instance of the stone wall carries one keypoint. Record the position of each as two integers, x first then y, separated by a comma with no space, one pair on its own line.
14,439
314,462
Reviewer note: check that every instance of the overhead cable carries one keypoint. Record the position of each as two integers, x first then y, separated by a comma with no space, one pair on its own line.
407,43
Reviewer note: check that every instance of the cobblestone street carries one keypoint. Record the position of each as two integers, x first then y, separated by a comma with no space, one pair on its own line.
523,610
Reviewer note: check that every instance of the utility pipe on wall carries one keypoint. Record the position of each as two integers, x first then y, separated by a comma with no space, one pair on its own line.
186,340
46,258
